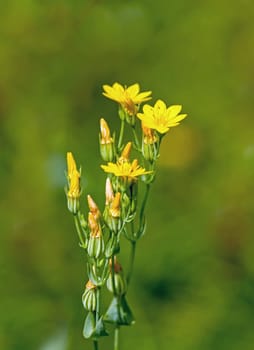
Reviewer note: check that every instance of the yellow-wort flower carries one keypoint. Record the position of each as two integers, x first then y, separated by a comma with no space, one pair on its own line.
126,170
128,97
160,117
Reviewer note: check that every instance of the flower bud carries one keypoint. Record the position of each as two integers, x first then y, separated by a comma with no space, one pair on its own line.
106,142
109,192
93,207
120,284
125,155
95,245
114,213
149,144
74,191
89,297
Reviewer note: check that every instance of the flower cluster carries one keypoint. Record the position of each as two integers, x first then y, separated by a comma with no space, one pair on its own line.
102,232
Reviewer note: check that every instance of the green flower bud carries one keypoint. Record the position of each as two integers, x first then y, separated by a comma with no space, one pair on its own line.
112,247
89,297
107,143
120,284
95,246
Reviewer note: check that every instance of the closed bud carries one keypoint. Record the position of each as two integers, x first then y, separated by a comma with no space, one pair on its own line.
149,144
89,297
107,147
114,212
120,284
125,155
93,207
109,192
74,191
95,246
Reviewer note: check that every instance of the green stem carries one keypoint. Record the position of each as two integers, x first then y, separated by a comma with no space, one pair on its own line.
142,210
97,314
132,258
113,274
120,140
96,344
136,141
116,338
79,231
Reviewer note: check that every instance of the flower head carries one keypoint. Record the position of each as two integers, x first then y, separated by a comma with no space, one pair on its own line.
127,97
160,117
126,169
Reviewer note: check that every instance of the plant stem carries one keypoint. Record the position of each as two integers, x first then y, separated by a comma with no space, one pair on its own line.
96,344
116,338
97,314
132,258
113,274
136,141
120,135
79,231
142,210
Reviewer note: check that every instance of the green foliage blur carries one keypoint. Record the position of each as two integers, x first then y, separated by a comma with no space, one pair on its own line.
193,285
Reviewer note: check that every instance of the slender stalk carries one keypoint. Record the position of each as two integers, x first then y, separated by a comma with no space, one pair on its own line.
95,344
97,314
116,338
132,258
120,140
113,274
136,141
142,210
79,230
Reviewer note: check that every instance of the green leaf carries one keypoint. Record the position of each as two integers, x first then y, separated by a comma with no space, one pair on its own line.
119,312
89,326
100,330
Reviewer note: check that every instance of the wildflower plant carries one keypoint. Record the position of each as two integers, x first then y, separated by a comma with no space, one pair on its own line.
122,220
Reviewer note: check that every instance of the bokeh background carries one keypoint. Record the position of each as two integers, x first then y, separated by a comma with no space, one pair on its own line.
193,286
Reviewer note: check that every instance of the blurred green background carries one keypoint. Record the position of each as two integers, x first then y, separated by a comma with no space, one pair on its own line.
193,286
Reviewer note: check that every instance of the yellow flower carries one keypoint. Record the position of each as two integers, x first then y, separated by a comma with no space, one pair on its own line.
160,117
127,97
126,169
